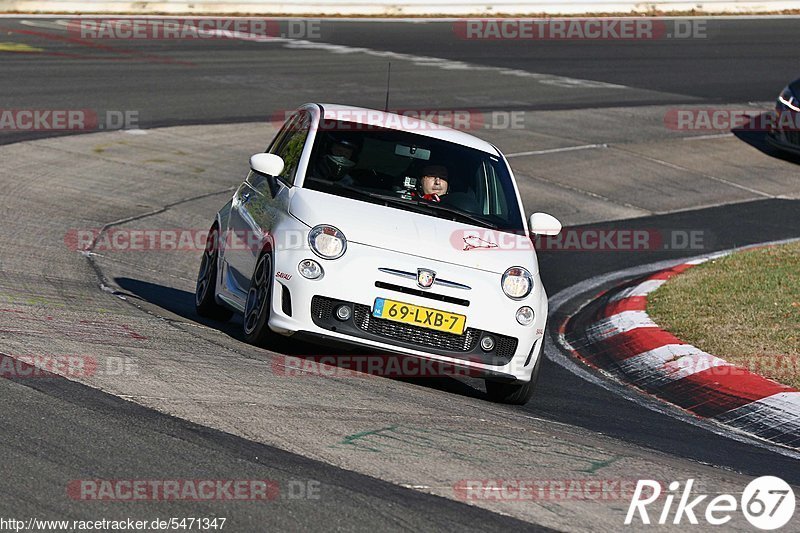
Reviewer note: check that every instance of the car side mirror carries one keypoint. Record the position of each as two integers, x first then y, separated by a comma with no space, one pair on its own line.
544,224
266,164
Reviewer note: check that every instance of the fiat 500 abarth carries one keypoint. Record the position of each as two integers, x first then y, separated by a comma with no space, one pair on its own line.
383,232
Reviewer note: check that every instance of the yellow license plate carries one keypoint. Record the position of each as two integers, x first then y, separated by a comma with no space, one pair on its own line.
419,316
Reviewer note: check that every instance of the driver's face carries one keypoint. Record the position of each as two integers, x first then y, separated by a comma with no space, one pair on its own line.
434,180
342,151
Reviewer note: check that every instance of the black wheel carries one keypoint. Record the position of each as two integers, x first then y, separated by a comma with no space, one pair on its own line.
257,307
515,393
204,301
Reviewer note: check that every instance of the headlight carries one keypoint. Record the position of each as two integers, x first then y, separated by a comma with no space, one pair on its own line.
327,241
517,283
787,99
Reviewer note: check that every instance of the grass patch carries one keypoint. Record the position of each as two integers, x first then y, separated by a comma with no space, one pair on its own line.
744,308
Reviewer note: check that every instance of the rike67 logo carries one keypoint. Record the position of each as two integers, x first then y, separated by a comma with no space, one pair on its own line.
767,503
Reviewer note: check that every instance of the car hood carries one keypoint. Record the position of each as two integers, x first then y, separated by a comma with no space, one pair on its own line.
414,233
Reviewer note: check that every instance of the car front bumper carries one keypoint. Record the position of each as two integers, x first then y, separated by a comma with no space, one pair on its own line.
355,280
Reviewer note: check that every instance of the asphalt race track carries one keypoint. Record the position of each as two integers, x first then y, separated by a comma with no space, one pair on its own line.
178,397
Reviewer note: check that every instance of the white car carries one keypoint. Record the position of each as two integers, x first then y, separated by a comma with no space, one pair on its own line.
388,233
784,133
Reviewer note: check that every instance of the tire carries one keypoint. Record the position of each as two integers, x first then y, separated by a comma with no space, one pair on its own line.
257,307
204,294
515,393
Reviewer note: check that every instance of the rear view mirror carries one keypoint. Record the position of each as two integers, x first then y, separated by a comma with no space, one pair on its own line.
266,164
412,151
544,224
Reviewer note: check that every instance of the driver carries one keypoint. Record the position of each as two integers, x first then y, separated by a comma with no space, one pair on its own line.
434,182
339,160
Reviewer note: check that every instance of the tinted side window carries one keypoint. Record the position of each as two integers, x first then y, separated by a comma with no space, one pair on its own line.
290,145
497,197
278,139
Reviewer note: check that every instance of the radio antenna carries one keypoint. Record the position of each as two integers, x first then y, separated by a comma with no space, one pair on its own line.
388,79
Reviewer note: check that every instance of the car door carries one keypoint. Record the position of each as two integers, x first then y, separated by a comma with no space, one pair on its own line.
260,202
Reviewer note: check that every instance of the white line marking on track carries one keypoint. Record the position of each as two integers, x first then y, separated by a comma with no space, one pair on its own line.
444,64
578,190
557,150
47,24
696,172
710,136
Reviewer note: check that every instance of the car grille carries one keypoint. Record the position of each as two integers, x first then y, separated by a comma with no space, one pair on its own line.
322,308
505,347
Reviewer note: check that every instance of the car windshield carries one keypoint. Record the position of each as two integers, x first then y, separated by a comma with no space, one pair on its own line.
408,171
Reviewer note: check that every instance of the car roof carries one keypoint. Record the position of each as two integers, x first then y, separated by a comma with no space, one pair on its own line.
374,117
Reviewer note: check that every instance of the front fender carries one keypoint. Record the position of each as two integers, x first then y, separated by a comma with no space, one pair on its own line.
222,218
